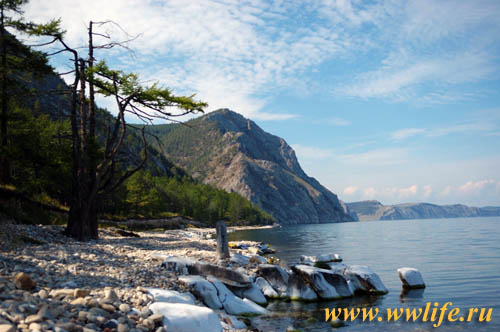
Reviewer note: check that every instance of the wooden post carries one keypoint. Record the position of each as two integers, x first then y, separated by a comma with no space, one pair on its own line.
222,243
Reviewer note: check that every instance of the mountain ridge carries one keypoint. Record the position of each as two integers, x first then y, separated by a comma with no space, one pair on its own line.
374,210
225,149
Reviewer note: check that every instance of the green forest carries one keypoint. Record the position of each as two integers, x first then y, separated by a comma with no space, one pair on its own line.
42,151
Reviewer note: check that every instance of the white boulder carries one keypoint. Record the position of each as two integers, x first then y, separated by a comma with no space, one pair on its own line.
233,322
363,280
275,276
411,278
233,305
180,317
203,289
315,278
170,296
324,258
177,264
255,294
266,288
298,290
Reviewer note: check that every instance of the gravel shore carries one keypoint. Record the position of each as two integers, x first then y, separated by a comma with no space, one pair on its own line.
49,282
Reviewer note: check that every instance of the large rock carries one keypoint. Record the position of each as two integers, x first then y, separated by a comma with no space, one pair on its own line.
266,288
337,268
240,259
203,289
7,328
170,296
299,290
411,278
184,265
275,276
226,275
180,317
316,278
254,293
177,264
234,305
233,321
324,258
24,281
364,280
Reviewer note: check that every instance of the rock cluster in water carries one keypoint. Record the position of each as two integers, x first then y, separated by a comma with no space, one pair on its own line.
243,285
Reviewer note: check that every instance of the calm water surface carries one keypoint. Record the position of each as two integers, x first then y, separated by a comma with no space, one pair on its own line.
459,260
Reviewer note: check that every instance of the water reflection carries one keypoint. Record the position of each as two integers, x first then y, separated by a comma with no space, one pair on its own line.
410,295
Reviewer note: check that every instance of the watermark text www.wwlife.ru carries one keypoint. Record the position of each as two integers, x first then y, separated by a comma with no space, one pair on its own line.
430,313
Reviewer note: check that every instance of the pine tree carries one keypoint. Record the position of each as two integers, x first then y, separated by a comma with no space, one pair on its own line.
17,63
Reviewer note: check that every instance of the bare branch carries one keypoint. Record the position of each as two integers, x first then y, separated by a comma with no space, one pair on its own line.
43,44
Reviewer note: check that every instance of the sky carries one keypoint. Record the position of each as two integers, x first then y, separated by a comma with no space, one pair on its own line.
397,101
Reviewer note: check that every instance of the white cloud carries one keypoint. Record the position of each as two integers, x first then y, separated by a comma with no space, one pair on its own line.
434,47
226,52
311,152
403,81
427,191
350,190
408,192
369,193
461,128
448,194
339,122
402,134
377,157
236,54
405,133
447,190
476,186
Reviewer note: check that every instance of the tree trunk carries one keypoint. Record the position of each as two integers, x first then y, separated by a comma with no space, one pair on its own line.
222,243
82,222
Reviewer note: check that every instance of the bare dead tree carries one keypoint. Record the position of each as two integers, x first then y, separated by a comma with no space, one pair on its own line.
95,170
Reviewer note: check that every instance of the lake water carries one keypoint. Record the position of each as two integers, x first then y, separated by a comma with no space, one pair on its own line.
458,258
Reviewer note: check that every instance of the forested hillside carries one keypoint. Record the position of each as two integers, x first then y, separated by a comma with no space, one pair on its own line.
37,185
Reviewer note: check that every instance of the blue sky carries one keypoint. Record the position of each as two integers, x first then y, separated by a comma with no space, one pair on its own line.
391,100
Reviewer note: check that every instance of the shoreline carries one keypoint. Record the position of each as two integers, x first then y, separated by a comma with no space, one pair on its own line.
149,281
60,267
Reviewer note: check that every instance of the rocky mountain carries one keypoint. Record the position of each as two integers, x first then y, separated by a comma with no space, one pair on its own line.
374,210
227,150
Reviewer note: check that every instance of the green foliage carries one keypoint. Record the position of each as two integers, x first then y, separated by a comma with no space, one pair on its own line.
150,196
110,82
38,148
40,156
193,146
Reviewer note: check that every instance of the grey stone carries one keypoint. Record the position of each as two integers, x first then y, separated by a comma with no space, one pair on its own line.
364,280
266,288
275,276
203,289
125,308
7,328
299,290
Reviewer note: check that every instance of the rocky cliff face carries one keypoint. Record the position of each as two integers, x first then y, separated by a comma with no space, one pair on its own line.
225,149
374,210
